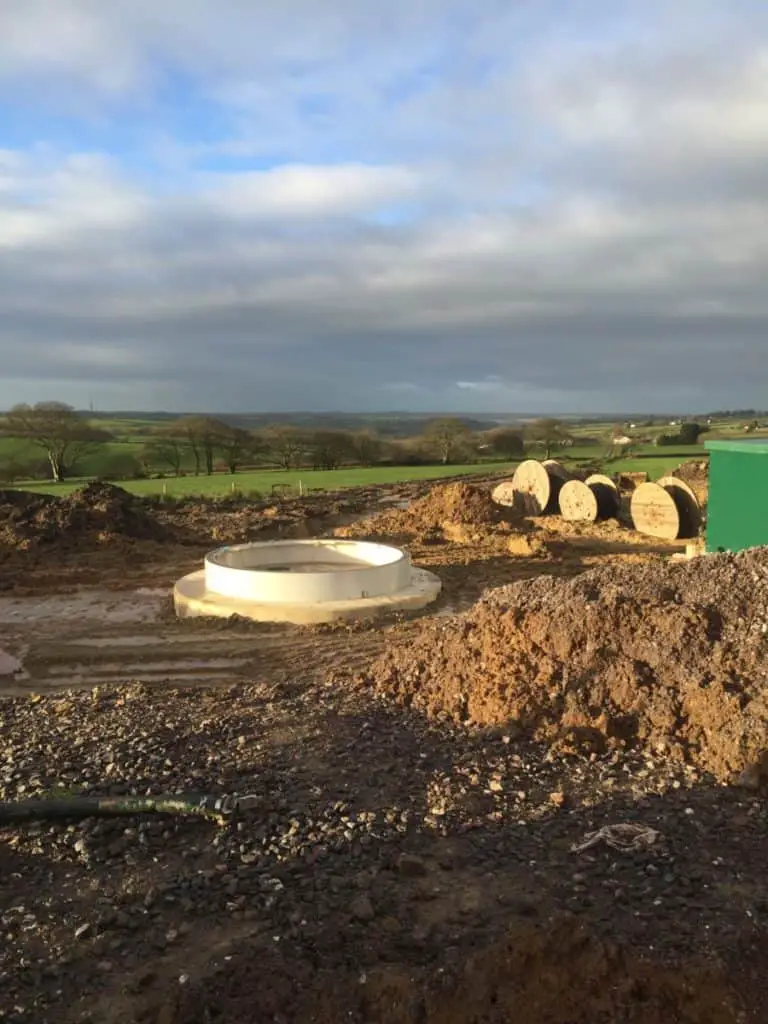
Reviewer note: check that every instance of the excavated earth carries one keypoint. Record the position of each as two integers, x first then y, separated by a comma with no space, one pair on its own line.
422,784
672,658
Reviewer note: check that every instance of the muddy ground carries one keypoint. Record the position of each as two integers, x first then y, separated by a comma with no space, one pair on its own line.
403,863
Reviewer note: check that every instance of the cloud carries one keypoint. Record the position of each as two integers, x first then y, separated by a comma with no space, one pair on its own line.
450,205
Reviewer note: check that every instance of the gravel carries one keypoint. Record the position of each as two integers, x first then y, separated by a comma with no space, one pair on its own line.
378,836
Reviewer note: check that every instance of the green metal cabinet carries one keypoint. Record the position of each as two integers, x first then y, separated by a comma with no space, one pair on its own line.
737,507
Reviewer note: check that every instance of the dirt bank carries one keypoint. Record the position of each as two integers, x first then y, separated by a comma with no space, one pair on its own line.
667,656
97,513
561,974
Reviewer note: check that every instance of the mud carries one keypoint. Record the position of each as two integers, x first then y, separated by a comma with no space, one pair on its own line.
95,514
669,657
562,974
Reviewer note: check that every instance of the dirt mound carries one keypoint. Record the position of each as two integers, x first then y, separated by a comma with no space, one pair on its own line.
563,976
672,656
93,514
696,475
457,511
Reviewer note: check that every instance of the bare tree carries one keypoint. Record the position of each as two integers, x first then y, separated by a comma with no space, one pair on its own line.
60,431
368,447
329,448
166,449
506,442
548,433
448,436
235,446
202,435
283,446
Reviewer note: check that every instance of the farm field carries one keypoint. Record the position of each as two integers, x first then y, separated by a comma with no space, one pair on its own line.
654,461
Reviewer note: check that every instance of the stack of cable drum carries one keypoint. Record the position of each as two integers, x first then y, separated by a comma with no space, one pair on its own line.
667,509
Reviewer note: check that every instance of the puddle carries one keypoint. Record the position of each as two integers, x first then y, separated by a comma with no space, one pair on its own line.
150,668
8,664
399,503
59,683
144,640
144,605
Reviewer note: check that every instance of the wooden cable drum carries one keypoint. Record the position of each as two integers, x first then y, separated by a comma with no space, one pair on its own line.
554,467
687,500
536,486
664,512
585,502
504,494
601,478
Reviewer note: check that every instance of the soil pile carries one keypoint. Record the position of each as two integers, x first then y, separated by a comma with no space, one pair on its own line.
237,520
673,657
456,511
696,475
96,513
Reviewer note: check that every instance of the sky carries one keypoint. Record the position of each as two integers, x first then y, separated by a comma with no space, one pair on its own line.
426,205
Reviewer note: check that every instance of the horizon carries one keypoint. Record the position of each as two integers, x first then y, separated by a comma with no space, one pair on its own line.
450,205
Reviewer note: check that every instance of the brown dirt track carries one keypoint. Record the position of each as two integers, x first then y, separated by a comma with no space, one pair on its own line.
411,857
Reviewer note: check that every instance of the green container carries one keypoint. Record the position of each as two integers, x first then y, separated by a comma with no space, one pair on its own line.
737,507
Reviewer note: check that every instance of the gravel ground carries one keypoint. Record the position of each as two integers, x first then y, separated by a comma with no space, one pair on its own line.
379,840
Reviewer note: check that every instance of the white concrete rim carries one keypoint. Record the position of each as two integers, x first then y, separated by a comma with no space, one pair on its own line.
247,572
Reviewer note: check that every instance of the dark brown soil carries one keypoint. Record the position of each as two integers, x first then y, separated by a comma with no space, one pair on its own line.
560,974
94,514
671,656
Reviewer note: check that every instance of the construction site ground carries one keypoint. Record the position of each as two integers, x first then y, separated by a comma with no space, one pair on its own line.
411,857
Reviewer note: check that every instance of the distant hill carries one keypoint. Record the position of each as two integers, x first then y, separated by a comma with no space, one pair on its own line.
388,424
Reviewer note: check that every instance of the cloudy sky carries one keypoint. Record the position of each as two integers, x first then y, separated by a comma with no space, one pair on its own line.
462,205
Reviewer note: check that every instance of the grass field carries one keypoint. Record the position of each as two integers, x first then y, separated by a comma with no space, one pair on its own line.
265,480
655,461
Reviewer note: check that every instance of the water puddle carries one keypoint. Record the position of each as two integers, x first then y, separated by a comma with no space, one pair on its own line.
150,668
144,605
145,640
9,665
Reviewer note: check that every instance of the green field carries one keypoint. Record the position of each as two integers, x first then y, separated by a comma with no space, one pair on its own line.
264,481
656,462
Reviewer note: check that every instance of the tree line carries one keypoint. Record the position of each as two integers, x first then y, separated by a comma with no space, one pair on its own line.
199,444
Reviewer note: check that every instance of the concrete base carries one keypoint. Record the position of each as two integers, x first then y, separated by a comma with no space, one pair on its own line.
192,600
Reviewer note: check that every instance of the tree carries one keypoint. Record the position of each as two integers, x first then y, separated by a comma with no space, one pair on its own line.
203,435
283,446
449,437
235,445
549,433
689,433
60,431
165,449
329,448
368,447
506,443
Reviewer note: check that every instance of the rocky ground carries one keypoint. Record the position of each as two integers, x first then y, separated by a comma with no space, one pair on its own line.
402,862
384,855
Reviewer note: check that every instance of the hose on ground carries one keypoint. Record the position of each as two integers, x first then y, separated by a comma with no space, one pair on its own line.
217,807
